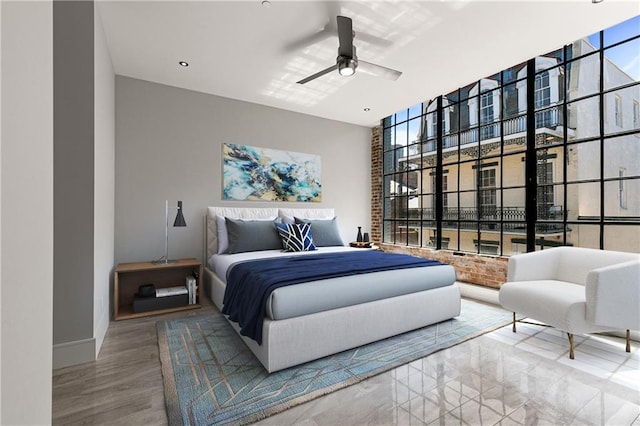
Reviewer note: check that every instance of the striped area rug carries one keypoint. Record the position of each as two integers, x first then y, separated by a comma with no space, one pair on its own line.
211,377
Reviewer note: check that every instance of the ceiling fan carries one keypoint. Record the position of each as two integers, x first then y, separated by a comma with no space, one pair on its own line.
347,61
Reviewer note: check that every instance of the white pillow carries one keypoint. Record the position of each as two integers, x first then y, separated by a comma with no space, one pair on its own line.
223,235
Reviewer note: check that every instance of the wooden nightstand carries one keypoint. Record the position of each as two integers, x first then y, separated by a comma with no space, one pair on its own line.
129,276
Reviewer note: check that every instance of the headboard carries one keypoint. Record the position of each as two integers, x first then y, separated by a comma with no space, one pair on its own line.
249,213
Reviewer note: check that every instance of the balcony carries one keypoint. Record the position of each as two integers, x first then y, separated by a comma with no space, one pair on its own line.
514,127
513,218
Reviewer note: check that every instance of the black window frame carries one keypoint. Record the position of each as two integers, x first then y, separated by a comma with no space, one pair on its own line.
435,147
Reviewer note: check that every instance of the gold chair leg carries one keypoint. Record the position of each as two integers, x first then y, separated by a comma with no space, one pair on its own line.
570,345
514,323
628,340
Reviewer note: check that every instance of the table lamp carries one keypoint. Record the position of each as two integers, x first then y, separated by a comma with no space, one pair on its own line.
179,221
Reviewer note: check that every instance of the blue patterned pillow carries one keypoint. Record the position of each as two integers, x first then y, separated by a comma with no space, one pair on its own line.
295,237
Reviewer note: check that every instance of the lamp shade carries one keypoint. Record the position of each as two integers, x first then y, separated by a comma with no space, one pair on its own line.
179,217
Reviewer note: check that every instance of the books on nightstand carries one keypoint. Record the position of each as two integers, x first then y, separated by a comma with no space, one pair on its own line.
166,298
171,291
192,289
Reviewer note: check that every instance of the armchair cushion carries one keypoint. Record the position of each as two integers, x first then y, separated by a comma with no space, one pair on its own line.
575,263
556,303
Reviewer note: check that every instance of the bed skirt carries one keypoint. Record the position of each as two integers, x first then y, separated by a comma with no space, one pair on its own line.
297,340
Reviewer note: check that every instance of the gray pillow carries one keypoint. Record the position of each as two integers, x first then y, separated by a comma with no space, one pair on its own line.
325,232
252,235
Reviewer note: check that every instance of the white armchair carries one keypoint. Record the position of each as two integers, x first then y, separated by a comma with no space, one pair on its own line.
577,290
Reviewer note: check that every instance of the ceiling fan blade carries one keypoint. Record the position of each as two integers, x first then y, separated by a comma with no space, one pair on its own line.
318,74
345,36
378,70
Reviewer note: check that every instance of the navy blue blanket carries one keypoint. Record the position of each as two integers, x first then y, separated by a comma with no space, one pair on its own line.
250,283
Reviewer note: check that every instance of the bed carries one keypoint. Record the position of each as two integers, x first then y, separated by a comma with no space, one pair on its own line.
294,330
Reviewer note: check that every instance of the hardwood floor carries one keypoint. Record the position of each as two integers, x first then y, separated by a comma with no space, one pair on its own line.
124,385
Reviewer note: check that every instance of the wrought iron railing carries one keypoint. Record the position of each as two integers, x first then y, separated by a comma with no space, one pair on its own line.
488,218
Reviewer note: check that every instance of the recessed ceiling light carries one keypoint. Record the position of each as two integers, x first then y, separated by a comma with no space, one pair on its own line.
184,64
367,109
596,1
266,3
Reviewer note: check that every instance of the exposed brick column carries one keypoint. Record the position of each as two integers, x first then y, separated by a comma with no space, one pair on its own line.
486,270
490,271
376,184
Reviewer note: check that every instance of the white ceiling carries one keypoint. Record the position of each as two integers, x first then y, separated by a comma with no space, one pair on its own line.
243,50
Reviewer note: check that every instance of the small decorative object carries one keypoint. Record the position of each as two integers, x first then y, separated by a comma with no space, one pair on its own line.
365,238
359,237
146,290
361,244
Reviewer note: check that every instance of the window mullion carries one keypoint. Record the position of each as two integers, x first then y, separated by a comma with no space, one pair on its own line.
439,170
601,116
530,159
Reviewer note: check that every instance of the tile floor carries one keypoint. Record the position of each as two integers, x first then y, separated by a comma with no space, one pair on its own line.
500,378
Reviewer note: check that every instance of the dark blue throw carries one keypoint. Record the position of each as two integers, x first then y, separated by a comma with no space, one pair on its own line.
250,283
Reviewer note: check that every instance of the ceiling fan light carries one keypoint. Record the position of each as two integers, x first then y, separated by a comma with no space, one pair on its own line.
347,67
346,71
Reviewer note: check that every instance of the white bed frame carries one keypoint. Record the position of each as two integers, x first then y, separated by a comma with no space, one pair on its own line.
293,341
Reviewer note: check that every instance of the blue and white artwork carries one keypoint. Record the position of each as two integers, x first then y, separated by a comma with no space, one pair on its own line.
262,174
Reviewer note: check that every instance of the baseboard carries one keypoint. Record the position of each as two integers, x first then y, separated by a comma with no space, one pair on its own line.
478,292
72,353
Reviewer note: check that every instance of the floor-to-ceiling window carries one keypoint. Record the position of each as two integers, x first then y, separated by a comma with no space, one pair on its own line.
569,119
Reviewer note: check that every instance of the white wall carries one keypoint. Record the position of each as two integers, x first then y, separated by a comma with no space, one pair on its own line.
104,181
169,145
26,211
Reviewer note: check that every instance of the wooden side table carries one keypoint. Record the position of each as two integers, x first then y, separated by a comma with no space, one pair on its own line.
128,277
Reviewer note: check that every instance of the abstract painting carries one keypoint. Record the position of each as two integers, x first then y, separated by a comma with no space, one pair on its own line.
263,174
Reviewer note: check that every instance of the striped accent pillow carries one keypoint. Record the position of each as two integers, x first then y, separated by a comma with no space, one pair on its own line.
295,237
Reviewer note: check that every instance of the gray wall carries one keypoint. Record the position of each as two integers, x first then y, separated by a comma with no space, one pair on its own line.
73,130
26,212
84,168
169,145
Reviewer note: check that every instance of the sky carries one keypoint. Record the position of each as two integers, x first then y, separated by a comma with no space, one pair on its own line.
627,55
